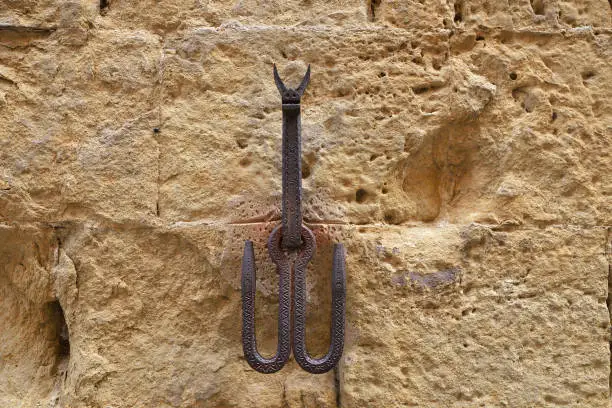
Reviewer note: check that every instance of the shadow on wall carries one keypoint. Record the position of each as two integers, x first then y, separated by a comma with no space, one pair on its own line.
433,177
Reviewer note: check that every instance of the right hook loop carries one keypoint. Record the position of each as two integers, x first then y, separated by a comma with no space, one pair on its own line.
329,361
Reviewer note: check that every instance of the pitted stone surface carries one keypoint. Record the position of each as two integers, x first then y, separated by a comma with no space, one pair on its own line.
459,149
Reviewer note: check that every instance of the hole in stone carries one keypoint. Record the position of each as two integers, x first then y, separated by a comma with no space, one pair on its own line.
382,74
103,5
554,116
242,143
538,7
513,76
458,14
361,195
385,190
389,218
60,329
587,75
372,6
374,157
420,90
480,38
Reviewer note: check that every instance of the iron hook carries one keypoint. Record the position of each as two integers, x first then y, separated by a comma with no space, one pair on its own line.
292,235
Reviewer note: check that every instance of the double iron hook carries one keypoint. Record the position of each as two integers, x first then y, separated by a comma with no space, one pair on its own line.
292,236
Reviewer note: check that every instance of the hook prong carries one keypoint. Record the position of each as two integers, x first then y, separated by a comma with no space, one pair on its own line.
338,290
249,342
279,83
300,89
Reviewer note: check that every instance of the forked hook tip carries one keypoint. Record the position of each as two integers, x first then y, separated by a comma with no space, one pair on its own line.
282,88
278,81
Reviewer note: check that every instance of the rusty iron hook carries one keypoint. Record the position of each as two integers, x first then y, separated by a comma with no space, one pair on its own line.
291,235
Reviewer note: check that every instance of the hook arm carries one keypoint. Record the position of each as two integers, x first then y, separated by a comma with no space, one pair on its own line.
329,361
300,89
249,342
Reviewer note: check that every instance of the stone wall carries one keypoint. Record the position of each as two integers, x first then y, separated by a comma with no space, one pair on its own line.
459,149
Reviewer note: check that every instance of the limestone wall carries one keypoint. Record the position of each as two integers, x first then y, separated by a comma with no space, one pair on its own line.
459,149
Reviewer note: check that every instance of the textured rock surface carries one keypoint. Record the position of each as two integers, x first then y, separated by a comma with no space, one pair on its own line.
459,149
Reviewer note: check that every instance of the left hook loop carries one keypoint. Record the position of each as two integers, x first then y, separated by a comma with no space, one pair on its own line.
249,342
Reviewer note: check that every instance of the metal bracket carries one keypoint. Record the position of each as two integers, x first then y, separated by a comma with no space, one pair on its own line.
291,235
